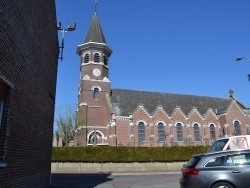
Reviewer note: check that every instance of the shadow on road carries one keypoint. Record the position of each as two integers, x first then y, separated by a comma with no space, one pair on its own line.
78,180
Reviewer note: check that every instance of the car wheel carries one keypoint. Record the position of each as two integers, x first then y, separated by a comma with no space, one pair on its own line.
222,185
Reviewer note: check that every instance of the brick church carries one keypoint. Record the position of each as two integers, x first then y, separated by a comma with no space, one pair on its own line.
121,117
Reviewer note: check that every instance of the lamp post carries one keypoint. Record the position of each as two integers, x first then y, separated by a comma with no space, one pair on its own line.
239,59
71,27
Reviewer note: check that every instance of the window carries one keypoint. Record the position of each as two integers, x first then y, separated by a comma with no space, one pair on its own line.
96,58
96,93
238,160
218,161
105,59
161,132
237,130
212,132
86,58
141,132
179,132
196,132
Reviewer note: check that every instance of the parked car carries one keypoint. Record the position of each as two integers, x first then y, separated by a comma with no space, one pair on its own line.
224,169
230,143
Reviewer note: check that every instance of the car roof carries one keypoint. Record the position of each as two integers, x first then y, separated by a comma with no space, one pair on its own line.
223,152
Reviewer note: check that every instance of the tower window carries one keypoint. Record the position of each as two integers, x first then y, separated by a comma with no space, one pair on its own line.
86,58
96,93
105,60
96,58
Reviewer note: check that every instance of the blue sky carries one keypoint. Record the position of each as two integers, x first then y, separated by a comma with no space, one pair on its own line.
170,46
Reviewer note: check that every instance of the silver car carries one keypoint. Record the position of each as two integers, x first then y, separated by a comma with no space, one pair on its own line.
224,169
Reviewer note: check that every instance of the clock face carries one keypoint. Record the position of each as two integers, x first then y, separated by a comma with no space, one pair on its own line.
96,72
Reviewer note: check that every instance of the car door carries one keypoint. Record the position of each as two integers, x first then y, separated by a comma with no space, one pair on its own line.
238,166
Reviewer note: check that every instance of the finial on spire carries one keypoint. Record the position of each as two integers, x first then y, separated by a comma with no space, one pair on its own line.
95,5
231,92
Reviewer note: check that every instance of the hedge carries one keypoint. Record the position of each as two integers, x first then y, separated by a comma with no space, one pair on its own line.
106,154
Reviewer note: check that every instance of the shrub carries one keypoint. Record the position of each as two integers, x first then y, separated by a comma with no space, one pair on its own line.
105,154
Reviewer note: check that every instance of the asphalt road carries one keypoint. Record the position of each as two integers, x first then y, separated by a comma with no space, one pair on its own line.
116,180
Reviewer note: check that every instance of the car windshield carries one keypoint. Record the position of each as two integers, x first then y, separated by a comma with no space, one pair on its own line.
218,145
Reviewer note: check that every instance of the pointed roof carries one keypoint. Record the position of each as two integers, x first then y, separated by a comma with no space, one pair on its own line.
95,33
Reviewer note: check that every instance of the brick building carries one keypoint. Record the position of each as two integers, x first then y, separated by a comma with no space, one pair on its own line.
119,117
28,70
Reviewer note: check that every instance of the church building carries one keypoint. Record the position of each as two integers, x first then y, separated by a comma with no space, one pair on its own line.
122,117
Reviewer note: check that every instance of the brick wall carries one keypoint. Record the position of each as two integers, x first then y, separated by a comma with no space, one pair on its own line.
28,66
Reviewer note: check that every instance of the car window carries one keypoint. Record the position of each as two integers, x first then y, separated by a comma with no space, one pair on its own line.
217,161
239,159
218,145
193,162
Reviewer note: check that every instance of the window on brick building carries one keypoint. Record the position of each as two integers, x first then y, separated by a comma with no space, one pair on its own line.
96,58
141,132
212,131
237,130
161,132
196,132
96,93
179,132
86,58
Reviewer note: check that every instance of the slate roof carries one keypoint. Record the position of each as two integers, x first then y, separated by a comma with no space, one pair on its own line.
125,102
95,33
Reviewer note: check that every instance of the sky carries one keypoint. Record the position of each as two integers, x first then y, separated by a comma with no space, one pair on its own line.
170,46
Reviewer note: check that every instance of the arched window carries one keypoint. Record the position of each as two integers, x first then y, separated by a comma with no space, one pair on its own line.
95,137
96,93
141,132
196,132
86,58
179,132
237,130
161,132
212,132
96,58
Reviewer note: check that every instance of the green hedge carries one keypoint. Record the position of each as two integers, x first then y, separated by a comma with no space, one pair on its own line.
105,154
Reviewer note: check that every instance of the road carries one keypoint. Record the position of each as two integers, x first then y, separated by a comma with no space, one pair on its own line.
116,180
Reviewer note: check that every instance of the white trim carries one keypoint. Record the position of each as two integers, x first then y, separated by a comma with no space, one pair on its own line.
157,123
145,124
96,86
196,123
237,120
180,123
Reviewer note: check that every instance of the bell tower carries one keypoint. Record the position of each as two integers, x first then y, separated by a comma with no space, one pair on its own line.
94,112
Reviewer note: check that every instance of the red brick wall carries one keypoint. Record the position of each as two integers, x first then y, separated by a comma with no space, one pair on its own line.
28,61
123,128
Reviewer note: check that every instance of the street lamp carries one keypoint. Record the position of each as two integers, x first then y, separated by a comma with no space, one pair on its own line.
239,59
71,27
